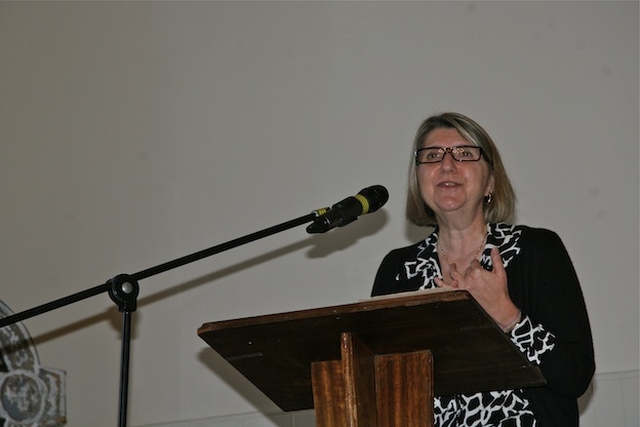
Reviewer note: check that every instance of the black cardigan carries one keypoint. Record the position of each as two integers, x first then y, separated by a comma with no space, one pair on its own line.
554,331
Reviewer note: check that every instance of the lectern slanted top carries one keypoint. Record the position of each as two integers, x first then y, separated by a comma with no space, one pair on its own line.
470,352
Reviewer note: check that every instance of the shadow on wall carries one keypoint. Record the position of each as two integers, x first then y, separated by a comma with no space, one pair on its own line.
320,246
585,400
223,370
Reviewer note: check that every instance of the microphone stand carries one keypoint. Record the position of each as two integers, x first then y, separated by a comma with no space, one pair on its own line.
123,290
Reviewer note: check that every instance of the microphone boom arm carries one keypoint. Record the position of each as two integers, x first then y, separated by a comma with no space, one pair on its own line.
170,265
123,290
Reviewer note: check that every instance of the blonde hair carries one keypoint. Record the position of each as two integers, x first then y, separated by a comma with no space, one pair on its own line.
503,198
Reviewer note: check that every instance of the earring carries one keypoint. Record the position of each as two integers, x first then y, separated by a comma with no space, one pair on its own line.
488,198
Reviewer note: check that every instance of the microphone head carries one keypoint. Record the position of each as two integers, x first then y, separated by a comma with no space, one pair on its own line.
376,195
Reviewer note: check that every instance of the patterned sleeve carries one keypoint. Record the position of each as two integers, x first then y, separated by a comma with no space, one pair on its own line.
532,340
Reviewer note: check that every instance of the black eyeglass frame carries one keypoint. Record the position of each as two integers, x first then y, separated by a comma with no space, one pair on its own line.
450,151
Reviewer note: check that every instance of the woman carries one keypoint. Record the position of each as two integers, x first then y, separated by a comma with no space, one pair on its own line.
522,277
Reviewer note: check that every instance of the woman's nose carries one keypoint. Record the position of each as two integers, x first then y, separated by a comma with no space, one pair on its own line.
448,162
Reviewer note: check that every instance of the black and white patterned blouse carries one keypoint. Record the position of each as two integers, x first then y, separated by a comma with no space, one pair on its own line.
554,332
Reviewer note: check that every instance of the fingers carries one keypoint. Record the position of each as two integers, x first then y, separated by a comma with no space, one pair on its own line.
496,260
454,275
474,267
475,275
442,284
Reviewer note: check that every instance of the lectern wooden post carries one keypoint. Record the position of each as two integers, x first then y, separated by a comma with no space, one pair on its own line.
363,389
376,363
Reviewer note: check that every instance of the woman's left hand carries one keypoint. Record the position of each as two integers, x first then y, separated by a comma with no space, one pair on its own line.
489,288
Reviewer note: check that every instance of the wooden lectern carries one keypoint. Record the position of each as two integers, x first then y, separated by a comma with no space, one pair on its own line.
374,363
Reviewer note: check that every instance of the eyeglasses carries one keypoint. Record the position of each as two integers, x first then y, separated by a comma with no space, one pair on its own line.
461,153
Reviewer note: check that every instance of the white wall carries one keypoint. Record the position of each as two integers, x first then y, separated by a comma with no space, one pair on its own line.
133,133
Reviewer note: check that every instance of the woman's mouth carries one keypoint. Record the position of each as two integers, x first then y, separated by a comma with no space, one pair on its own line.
448,184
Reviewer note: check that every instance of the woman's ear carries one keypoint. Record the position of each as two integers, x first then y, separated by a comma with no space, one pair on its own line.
490,185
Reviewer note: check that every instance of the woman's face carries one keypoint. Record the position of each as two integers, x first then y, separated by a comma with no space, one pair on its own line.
453,188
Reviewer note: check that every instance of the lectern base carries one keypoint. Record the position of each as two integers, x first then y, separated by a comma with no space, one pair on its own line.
367,390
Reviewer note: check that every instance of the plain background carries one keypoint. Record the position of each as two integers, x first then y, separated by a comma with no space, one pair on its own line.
133,133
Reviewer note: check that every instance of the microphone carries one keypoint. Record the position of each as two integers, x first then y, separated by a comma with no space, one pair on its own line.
348,210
